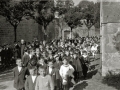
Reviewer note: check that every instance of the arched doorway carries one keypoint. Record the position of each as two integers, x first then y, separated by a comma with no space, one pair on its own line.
66,34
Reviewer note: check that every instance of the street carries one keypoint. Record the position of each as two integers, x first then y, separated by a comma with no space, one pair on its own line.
6,80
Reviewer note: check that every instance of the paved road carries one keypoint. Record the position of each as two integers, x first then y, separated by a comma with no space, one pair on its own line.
6,80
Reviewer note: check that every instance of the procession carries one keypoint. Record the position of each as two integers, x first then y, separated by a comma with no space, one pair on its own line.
55,44
66,62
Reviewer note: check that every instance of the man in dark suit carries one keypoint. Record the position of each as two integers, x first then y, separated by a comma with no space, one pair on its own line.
25,58
20,75
31,80
8,55
16,51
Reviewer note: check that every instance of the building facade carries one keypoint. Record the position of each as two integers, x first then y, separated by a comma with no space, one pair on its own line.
110,31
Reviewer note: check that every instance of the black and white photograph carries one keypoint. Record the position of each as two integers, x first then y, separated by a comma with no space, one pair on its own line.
110,40
59,45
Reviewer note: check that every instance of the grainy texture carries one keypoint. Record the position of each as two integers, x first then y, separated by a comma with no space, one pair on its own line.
26,30
29,29
110,26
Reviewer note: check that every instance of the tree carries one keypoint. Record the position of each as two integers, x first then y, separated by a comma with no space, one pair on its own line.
76,35
13,15
62,7
91,14
3,3
44,16
60,24
73,18
42,12
97,15
64,3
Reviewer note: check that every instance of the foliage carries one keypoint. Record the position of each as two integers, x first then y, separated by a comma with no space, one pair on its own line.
112,80
91,14
3,3
97,15
88,10
76,35
62,7
73,17
13,14
45,14
42,12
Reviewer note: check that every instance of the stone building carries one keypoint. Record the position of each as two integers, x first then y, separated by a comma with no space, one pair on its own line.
79,31
110,31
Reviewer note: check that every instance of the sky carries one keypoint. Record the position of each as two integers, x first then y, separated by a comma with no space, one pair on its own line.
76,2
110,0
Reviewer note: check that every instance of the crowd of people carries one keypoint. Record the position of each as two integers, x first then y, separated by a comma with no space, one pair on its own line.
57,65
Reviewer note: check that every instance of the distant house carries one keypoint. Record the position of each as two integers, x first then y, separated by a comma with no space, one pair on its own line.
81,31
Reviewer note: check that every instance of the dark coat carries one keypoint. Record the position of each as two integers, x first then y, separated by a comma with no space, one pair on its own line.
85,65
19,77
8,53
38,56
77,64
25,60
54,74
29,85
58,65
17,52
22,49
3,56
32,62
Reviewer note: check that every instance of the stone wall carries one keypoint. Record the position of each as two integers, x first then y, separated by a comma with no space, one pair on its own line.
110,28
81,31
27,30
